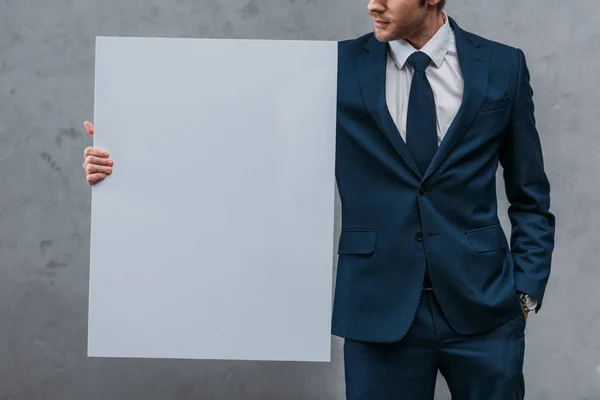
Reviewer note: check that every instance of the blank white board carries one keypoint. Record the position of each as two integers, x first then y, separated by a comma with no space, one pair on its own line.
214,236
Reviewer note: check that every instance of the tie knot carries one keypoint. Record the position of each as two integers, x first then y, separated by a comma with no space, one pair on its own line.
419,61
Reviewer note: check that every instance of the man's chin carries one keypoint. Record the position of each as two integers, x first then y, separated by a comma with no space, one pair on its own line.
383,37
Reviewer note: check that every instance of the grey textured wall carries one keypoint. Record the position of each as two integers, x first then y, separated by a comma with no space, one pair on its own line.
46,91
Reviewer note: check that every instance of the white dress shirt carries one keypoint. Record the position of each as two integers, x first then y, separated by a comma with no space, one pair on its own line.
444,75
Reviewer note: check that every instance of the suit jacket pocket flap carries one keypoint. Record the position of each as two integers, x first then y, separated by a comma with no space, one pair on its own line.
494,105
357,241
487,239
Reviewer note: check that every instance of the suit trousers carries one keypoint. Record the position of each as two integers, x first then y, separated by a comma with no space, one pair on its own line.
485,366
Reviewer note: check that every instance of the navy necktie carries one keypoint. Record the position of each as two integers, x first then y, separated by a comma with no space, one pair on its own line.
421,126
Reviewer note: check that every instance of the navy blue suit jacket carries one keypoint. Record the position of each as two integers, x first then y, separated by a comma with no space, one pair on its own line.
396,220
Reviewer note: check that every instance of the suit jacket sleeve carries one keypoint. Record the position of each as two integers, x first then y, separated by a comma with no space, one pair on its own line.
528,192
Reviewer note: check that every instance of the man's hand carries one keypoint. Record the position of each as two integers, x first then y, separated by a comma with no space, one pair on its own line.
96,164
525,312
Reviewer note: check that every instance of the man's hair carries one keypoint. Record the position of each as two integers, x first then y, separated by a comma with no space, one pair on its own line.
441,4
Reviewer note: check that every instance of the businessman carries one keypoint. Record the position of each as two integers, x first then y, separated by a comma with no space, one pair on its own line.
427,279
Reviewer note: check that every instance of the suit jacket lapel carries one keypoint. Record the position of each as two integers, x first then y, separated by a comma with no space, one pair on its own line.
372,79
475,69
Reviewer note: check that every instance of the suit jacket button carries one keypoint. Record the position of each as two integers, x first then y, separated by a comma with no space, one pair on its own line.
422,191
419,236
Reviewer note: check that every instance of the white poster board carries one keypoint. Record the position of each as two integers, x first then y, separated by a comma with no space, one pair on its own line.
214,236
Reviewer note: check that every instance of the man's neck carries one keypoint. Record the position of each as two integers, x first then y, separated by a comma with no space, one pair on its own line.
426,31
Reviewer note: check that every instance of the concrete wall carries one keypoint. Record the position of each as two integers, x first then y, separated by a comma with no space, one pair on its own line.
46,91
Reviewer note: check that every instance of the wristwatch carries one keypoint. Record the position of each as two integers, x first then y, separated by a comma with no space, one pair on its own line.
528,302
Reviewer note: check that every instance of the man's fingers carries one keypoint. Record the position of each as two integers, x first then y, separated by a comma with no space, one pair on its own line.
97,161
92,169
95,178
89,128
97,166
94,151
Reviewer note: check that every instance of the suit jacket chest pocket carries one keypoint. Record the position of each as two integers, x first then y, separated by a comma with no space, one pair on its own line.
492,116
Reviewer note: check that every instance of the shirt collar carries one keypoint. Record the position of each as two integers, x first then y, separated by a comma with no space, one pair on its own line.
436,48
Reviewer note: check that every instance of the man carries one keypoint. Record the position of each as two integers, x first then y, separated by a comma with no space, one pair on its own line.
426,279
